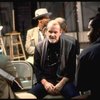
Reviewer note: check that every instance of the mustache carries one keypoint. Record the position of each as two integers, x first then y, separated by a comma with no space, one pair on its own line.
52,37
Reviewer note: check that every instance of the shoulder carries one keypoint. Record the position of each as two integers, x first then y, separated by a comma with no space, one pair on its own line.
68,39
3,60
3,57
42,44
91,51
93,47
32,29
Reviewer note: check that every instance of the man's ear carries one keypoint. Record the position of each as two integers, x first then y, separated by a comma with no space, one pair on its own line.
61,31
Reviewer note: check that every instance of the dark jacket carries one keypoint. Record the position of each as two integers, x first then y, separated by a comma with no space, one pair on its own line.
89,64
67,61
75,42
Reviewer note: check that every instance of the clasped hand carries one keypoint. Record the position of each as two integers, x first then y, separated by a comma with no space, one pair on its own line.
52,89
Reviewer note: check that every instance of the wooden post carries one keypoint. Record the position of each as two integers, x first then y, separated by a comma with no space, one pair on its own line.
13,17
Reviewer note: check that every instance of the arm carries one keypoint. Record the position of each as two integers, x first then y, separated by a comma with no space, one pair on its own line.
37,65
71,64
60,84
39,71
8,67
11,69
69,71
48,86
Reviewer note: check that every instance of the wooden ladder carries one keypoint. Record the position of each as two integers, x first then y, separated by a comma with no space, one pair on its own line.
17,51
2,46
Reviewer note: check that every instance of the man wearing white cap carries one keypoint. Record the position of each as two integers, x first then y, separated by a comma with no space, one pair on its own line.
34,35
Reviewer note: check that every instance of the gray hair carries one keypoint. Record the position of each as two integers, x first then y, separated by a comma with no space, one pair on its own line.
62,23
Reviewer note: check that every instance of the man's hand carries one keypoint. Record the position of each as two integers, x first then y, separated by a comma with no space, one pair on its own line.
54,90
57,88
48,86
60,85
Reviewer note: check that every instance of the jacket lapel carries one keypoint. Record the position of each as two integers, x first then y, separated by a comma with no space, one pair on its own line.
35,36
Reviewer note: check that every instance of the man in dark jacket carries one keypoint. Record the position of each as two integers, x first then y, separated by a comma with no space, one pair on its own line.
55,63
89,62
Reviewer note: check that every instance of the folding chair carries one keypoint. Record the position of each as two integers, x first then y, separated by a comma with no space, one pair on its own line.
25,75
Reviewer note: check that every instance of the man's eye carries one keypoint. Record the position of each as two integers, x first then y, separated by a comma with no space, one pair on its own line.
50,31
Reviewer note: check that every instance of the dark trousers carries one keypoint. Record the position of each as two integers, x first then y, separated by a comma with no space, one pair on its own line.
67,91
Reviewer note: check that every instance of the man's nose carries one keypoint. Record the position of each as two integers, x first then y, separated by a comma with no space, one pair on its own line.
52,34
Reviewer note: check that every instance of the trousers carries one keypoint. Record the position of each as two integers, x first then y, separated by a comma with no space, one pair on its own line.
68,91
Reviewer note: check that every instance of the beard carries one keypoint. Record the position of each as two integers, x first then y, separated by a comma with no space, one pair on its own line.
52,40
93,36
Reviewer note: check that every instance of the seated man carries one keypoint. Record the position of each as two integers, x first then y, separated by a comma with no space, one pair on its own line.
89,61
55,63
